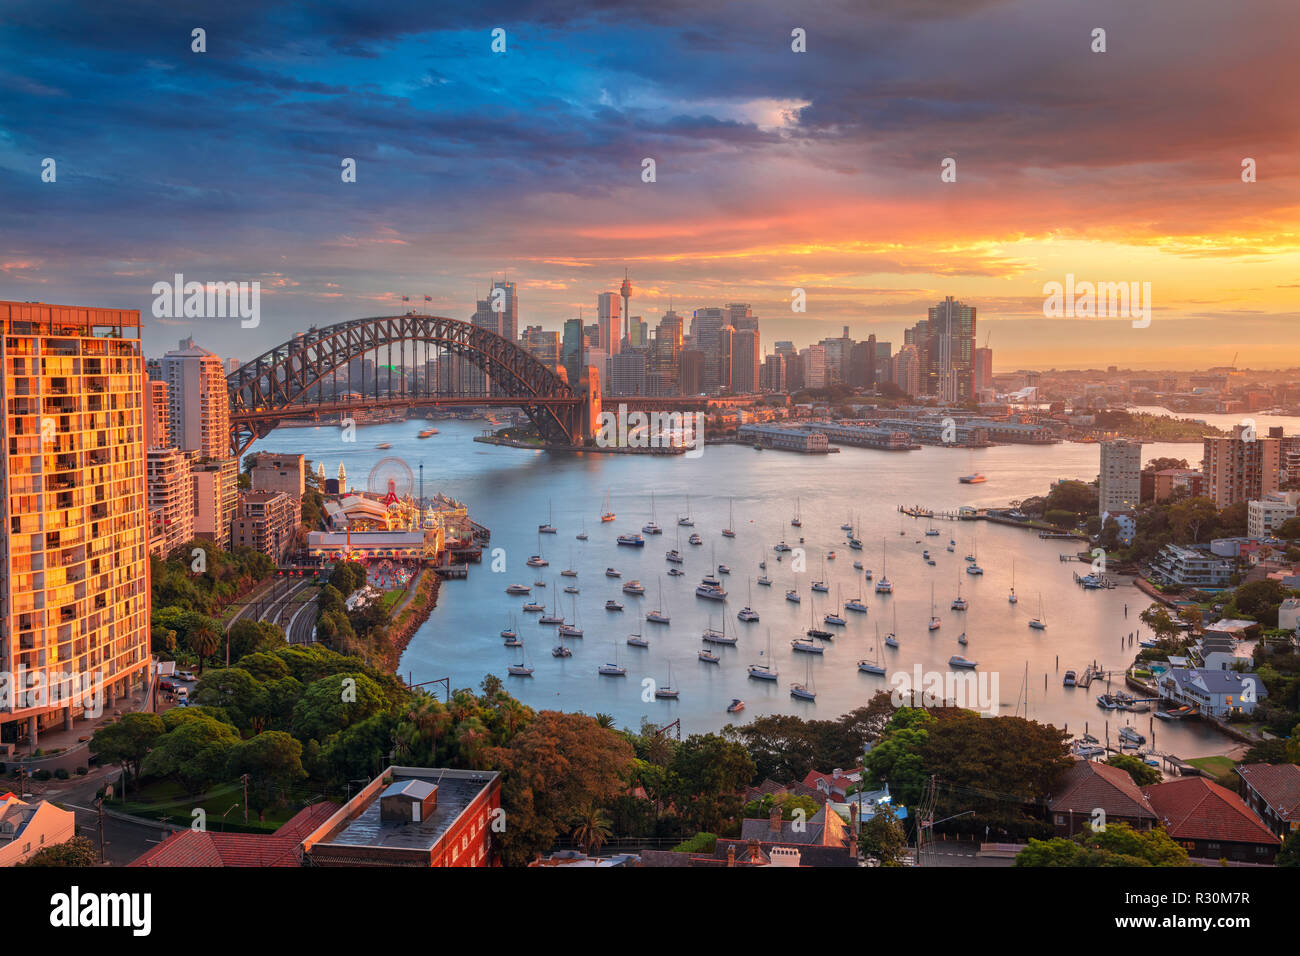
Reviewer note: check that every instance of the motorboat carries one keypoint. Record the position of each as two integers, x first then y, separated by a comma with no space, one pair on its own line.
612,605
631,540
736,706
519,589
764,580
963,662
571,589
674,556
636,640
712,592
613,573
695,539
533,607
708,656
1070,680
1130,737
974,479
676,573
793,596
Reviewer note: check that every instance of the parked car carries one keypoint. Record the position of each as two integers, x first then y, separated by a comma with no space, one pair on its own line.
167,684
186,675
182,693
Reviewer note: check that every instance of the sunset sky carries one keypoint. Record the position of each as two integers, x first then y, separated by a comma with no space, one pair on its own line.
775,170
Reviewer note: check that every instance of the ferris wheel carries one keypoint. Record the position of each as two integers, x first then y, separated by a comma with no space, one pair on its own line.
391,478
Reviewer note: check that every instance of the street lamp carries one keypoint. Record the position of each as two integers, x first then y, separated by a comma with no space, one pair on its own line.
223,817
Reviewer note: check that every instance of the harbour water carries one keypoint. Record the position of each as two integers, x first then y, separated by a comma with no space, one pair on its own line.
509,490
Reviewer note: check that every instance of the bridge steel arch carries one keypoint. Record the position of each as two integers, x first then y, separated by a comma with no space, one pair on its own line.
282,379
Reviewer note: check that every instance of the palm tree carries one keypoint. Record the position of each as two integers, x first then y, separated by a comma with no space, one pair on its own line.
203,642
605,720
593,828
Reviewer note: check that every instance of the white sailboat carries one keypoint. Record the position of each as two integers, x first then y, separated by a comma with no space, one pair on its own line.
651,527
1039,623
767,669
747,613
728,531
807,690
667,691
891,639
1011,598
521,669
959,602
686,521
796,521
547,528
883,585
657,616
614,669
934,618
874,665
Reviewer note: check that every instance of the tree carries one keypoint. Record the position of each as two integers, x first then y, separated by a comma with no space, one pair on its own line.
1189,517
553,768
1117,845
273,762
242,697
79,851
882,837
127,741
706,775
1157,618
1074,496
331,703
194,754
1143,775
204,643
1289,855
591,828
1289,530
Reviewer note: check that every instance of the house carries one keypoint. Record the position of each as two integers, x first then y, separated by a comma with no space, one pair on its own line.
1210,822
1217,693
26,828
1087,788
835,785
1181,567
1273,792
822,840
1288,614
205,848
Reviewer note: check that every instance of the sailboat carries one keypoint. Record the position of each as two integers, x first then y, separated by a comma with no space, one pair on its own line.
547,528
667,691
686,521
510,632
521,669
559,650
835,619
571,630
1011,598
747,613
613,670
536,560
549,618
569,572
675,555
891,639
657,616
959,602
972,566
821,585
934,618
582,535
636,640
874,665
813,629
857,604
958,661
651,527
606,514
883,586
806,690
767,670
712,636
1038,623
796,521
961,638
727,532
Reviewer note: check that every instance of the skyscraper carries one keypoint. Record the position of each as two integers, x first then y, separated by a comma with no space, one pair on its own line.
608,318
1120,484
74,592
1244,467
199,400
571,349
746,358
951,371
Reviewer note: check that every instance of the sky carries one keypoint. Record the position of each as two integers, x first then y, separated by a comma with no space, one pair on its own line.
774,170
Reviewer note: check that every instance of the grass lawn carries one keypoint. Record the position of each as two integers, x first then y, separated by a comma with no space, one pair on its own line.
1220,768
167,800
391,598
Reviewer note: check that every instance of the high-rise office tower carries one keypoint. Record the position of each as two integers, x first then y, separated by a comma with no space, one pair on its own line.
571,349
1120,484
608,318
774,373
951,367
690,374
1244,467
627,372
199,400
862,363
664,377
746,359
638,333
74,589
983,373
814,366
907,369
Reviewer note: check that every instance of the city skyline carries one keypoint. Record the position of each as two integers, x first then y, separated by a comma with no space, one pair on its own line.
776,170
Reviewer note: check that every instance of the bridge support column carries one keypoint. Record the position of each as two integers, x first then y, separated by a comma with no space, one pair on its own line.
589,416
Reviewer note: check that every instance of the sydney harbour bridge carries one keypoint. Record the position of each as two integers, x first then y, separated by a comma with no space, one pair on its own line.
303,378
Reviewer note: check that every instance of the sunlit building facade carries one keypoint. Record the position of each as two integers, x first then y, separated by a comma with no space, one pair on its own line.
74,592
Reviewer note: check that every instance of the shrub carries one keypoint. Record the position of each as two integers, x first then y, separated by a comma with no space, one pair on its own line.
82,771
62,773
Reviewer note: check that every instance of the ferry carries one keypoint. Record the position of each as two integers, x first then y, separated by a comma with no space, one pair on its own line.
612,605
958,661
736,706
974,479
519,589
631,540
428,432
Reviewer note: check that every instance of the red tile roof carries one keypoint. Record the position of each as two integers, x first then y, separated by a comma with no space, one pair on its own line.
1193,808
202,848
1278,784
1089,786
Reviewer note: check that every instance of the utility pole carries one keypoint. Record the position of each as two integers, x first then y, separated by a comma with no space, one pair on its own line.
99,805
244,778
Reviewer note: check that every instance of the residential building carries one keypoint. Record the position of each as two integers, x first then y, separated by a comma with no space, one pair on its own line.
1267,514
199,400
1211,822
26,828
157,415
190,847
1242,468
1272,791
1218,693
273,471
907,370
1169,481
1088,787
572,348
951,369
216,499
74,525
1120,486
266,521
1184,567
745,361
813,359
170,499
690,375
413,816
